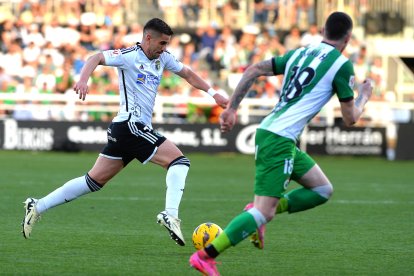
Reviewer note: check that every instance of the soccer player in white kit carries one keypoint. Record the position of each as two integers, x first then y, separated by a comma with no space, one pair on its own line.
130,135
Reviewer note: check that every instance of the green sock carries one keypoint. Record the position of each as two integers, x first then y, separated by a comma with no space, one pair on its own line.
303,199
238,229
282,206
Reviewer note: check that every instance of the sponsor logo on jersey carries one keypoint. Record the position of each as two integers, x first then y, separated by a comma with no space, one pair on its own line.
147,79
141,78
114,53
141,67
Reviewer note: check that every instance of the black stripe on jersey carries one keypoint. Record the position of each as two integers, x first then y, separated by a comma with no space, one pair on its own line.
125,90
146,135
127,50
92,184
182,160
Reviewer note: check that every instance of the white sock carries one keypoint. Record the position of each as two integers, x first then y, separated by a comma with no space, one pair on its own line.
258,216
175,179
69,191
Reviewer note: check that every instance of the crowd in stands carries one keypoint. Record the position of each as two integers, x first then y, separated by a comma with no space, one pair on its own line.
43,51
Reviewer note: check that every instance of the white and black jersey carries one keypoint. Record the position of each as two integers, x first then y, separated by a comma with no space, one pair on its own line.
139,78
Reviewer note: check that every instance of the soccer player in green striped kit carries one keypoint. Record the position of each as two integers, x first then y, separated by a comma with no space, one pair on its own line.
312,75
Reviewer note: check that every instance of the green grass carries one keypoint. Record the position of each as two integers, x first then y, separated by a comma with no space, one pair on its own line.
366,229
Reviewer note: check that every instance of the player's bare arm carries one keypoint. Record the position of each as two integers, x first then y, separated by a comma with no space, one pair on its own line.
195,80
81,87
263,68
228,117
352,111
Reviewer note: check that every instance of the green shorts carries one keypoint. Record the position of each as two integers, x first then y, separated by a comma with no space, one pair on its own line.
278,160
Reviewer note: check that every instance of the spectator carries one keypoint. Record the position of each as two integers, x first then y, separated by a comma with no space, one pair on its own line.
273,6
46,80
54,33
31,53
260,12
87,37
219,57
104,37
377,74
293,39
28,74
226,9
35,36
228,37
190,55
175,47
119,36
312,36
134,35
276,47
361,70
14,60
305,13
191,11
71,34
55,54
64,77
5,80
9,33
208,41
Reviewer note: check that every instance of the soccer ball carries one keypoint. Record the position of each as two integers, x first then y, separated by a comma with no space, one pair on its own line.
205,233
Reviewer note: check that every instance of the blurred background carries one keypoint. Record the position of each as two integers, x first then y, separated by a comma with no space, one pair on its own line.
44,44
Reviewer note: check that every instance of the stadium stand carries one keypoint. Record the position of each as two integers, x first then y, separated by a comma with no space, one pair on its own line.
44,44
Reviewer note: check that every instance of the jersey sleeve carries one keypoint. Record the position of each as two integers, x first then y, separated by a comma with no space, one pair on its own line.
115,58
279,63
171,63
344,81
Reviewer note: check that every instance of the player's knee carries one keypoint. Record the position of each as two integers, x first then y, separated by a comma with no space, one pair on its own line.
325,191
182,160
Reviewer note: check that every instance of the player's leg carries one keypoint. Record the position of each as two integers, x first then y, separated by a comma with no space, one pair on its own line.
236,231
107,165
316,190
170,157
274,165
103,170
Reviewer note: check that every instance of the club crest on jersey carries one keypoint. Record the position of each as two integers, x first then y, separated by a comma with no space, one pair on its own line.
157,65
141,67
141,78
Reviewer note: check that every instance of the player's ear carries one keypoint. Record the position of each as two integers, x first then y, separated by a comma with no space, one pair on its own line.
348,37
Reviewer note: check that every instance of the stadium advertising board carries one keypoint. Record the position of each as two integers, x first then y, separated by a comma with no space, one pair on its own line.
338,140
405,148
91,136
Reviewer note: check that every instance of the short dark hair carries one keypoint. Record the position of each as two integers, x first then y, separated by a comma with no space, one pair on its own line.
159,26
337,25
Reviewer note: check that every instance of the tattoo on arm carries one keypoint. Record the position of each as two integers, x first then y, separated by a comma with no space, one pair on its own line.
240,92
360,102
263,68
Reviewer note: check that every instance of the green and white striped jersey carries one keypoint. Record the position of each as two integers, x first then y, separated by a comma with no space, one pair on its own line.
312,75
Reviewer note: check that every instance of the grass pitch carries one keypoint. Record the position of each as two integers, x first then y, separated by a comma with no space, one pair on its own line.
365,229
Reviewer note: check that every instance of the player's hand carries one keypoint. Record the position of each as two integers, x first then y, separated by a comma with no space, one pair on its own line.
227,120
365,89
221,100
82,89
